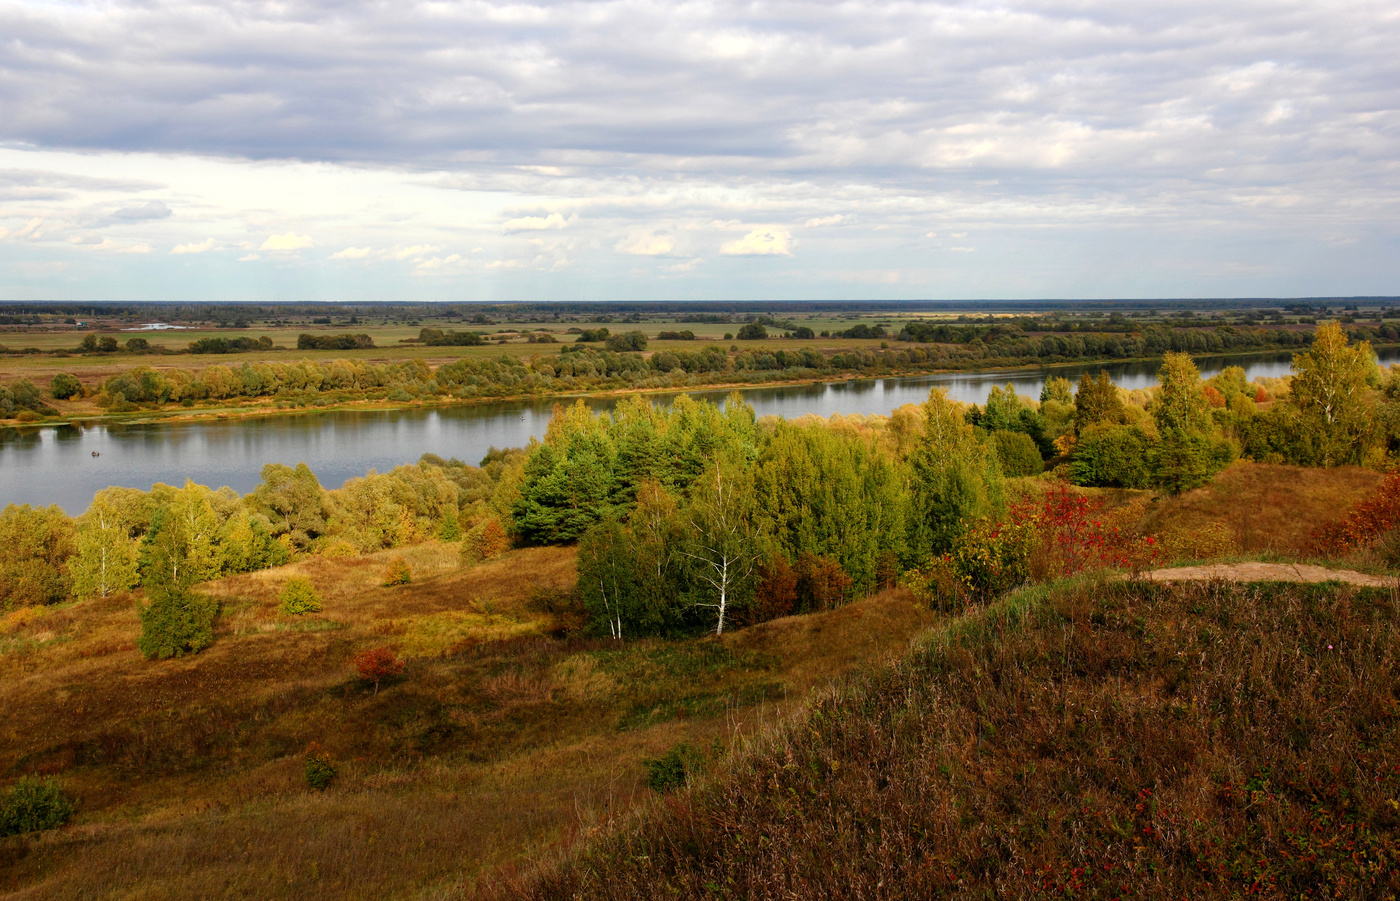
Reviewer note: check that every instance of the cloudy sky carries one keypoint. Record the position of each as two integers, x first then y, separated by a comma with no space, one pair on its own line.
343,150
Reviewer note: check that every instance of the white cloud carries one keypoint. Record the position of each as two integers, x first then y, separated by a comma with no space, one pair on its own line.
34,228
824,221
3,231
201,247
417,250
761,242
962,249
288,241
352,253
143,247
538,223
249,258
646,244
931,234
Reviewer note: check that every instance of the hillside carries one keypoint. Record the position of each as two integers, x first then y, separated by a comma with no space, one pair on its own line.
505,734
1094,740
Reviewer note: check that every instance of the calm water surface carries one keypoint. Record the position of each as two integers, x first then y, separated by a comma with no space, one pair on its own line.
55,465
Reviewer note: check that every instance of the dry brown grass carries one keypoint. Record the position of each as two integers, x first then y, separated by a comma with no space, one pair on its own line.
502,738
1257,508
1093,741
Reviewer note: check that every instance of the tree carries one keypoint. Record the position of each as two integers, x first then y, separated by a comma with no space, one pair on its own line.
106,551
1185,455
298,597
752,332
722,543
293,501
175,622
1329,393
377,664
607,577
1180,403
64,386
954,479
1096,402
39,543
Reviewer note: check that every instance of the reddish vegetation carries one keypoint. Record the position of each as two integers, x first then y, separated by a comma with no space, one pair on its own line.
1367,521
1105,741
377,664
1074,532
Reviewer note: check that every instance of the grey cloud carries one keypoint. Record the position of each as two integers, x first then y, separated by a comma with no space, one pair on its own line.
151,209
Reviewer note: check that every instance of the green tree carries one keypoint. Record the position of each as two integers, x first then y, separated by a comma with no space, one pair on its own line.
175,622
294,503
1017,454
64,386
1329,391
1097,402
954,479
1179,403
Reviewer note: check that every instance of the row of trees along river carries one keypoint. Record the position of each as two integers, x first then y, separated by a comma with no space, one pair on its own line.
689,515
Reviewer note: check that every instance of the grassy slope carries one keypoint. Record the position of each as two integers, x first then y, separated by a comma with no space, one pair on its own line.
499,739
1095,740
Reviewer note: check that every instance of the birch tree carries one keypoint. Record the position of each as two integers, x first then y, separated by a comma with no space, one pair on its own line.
723,545
107,552
1329,391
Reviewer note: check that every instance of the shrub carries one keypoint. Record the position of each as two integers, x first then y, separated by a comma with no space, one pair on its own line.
484,541
675,768
175,622
338,550
64,386
821,583
397,572
1075,533
320,767
988,559
377,665
1017,453
1364,523
298,597
33,805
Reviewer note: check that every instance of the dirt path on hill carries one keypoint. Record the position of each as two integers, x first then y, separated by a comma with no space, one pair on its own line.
1267,572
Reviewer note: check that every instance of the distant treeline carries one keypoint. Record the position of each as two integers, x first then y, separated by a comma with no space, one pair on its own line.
618,365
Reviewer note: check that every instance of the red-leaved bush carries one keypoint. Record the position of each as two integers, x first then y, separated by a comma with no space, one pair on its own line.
1075,533
1364,523
377,664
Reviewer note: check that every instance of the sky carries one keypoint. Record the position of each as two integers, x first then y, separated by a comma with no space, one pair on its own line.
484,151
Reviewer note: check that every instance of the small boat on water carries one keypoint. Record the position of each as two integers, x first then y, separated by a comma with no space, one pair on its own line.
96,454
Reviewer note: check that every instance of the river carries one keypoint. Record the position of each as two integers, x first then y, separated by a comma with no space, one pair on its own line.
57,464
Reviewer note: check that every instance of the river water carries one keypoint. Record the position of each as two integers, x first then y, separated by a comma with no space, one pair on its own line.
56,464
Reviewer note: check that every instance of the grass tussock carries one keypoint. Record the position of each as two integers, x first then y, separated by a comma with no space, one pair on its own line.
1108,740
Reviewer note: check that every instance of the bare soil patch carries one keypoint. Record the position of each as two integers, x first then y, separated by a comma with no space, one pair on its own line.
1267,572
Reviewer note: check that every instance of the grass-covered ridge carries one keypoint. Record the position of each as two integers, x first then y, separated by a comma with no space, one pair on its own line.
1093,740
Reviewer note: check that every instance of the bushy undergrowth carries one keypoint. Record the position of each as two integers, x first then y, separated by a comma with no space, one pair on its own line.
298,597
33,805
1093,741
674,769
320,767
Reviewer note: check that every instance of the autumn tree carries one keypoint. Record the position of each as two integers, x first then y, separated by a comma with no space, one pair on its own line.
1187,453
38,546
1329,394
107,551
722,545
1097,402
954,479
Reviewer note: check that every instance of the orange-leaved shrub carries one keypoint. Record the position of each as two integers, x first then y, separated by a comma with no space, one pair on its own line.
397,572
1364,523
484,541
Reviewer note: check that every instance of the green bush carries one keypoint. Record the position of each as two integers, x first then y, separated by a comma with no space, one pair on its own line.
673,769
320,767
1017,453
33,805
175,622
298,597
64,386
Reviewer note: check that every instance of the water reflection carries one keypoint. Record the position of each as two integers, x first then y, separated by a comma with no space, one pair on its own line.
57,464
